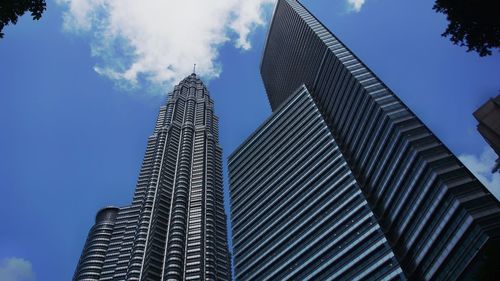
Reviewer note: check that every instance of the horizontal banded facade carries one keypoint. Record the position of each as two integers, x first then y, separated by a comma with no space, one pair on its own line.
438,218
175,228
297,211
93,254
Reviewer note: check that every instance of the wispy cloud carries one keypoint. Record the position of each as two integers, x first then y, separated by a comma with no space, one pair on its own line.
156,42
16,269
481,167
355,5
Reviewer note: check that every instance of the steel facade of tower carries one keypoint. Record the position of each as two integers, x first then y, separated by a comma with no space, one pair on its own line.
175,228
439,220
297,211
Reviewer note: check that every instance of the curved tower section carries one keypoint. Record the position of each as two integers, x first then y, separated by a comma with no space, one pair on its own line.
92,258
175,228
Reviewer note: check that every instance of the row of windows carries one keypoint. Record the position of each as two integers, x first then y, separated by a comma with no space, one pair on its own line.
403,167
297,211
140,231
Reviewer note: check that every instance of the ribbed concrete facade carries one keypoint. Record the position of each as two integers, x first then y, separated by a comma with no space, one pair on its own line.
439,220
175,228
297,211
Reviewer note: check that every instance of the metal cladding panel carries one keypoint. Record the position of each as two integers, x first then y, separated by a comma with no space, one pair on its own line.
297,211
175,228
437,216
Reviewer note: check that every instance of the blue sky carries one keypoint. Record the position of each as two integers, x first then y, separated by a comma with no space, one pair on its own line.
73,126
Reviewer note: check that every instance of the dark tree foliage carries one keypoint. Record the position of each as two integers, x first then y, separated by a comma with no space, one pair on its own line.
472,23
10,10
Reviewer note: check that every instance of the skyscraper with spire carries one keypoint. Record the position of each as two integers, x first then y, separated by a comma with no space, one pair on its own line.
175,227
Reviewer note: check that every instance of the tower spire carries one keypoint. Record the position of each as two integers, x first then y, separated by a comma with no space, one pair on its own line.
194,69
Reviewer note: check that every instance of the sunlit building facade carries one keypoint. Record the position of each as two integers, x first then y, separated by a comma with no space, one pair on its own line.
298,213
437,219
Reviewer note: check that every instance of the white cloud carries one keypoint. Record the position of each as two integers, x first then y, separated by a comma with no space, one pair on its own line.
355,5
16,269
481,167
158,41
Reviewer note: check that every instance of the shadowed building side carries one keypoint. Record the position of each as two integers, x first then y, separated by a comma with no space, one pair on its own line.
488,116
438,218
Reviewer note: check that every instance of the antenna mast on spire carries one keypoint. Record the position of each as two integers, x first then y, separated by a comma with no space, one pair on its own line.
194,68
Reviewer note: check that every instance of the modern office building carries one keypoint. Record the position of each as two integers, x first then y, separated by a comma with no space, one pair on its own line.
439,221
488,116
175,228
298,212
